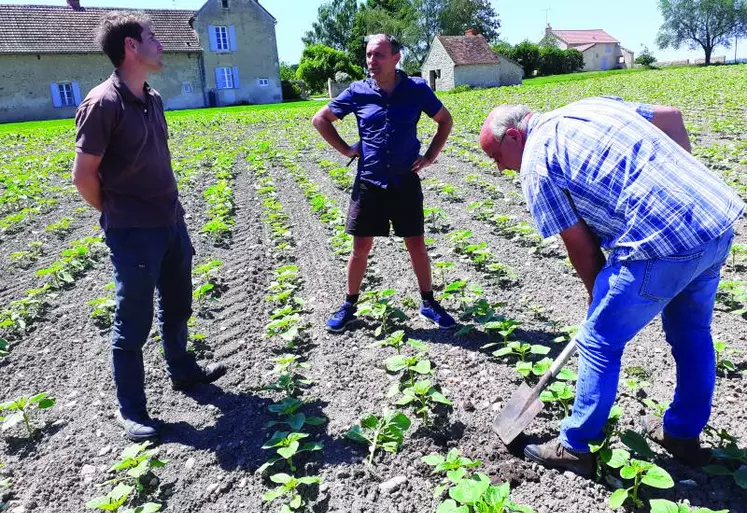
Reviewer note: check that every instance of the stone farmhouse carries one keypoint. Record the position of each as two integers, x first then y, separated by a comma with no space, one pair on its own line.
467,60
223,54
601,51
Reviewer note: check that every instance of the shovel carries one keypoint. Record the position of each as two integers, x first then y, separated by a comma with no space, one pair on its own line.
524,405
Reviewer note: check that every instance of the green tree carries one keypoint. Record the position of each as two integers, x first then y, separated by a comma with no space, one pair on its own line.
334,24
425,27
527,54
701,23
478,15
320,62
503,48
645,58
288,71
393,17
574,60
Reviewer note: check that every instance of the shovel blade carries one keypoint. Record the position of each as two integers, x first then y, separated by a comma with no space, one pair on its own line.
518,413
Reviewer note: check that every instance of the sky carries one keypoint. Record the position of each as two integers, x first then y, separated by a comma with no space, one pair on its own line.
633,22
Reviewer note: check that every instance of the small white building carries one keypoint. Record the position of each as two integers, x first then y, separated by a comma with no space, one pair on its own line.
467,60
601,51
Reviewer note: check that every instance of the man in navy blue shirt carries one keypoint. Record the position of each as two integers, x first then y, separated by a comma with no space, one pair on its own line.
387,187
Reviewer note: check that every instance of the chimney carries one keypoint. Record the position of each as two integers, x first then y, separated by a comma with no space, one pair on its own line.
74,5
548,29
470,32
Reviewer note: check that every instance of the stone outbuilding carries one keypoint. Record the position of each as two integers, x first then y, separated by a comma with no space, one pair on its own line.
223,54
468,60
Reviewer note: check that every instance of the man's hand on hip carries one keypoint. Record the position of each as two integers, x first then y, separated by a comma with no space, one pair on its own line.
420,164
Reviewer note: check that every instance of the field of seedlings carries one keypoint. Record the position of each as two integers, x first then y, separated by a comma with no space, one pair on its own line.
391,416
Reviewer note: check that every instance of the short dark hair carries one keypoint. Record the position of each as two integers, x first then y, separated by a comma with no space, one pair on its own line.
114,28
393,42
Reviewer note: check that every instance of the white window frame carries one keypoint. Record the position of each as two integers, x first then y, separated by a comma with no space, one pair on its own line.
263,82
67,97
227,74
608,48
222,39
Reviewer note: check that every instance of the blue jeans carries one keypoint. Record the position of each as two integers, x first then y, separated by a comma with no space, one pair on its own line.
626,297
145,260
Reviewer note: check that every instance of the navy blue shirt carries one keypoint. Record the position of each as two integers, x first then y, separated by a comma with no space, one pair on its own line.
387,125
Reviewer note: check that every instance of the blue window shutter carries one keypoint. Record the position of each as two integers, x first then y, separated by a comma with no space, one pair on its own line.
232,39
213,38
235,77
56,99
76,93
219,78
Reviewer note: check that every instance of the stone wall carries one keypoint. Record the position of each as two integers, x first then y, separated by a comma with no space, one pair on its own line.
25,82
255,57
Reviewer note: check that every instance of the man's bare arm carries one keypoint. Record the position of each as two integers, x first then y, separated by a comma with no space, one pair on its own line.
669,120
322,121
584,252
445,123
86,178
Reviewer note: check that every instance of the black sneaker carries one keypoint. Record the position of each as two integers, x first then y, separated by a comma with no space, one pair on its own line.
138,427
207,375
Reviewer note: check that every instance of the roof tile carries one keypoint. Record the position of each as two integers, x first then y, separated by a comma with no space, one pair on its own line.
468,50
52,29
581,37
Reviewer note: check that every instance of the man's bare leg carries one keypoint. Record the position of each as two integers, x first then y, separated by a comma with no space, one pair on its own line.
357,263
421,264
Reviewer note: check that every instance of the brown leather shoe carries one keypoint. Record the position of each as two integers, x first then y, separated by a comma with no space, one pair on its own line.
685,450
555,455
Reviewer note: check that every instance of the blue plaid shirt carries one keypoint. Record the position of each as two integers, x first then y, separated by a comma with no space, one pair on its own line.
642,195
387,125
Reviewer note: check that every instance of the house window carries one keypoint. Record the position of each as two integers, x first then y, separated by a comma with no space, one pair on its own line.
66,94
438,73
221,39
263,82
224,78
607,48
224,4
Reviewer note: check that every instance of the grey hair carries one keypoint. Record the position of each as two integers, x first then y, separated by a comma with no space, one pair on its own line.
508,116
393,42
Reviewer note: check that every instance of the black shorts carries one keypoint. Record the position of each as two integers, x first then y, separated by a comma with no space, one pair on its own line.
372,208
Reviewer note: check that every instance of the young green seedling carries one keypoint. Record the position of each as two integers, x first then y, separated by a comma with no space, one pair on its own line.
722,363
602,448
425,397
732,462
640,472
477,495
504,328
396,340
441,269
134,463
288,408
665,506
378,305
521,350
659,408
4,348
287,445
289,487
453,465
559,392
412,365
21,408
116,498
386,432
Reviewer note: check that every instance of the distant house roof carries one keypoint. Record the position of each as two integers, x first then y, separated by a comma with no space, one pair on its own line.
52,29
468,50
583,37
583,48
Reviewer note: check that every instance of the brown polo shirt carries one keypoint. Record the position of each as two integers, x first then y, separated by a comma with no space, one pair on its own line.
138,187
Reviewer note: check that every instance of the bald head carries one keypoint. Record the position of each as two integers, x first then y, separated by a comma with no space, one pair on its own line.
503,135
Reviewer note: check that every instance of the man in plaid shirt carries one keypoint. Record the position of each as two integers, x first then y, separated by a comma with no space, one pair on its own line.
606,174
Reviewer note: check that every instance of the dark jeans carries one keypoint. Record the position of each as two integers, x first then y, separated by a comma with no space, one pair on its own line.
148,259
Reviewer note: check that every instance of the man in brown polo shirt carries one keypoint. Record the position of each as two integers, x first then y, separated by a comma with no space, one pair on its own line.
123,169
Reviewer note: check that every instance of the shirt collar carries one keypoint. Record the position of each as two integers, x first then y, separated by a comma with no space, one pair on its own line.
125,91
403,76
